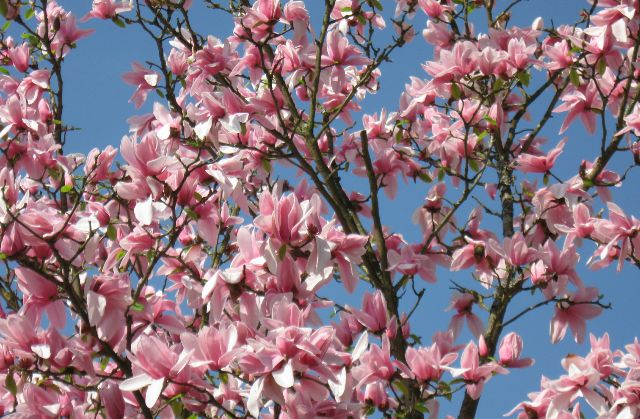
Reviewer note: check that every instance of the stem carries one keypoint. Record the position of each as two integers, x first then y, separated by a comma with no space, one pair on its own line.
504,293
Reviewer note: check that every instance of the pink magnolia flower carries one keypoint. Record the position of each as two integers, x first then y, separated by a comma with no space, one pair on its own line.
559,55
475,374
428,364
145,81
529,163
463,303
514,250
40,295
212,348
510,350
339,54
154,362
107,9
620,230
410,262
135,243
581,102
583,224
287,220
374,314
19,55
39,402
376,394
574,313
581,381
108,298
346,251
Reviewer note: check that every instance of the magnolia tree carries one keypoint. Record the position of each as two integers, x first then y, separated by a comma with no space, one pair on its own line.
186,273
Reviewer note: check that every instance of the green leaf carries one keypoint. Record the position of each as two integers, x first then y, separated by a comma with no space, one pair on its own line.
104,362
425,177
3,256
346,10
601,66
176,407
66,189
490,120
456,93
29,13
421,408
111,232
120,254
4,71
497,85
401,386
10,382
545,179
377,4
473,164
524,78
223,377
3,11
120,23
6,25
137,307
192,214
482,135
441,174
176,397
282,251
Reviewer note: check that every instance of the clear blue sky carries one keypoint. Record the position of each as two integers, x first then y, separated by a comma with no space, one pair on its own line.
96,101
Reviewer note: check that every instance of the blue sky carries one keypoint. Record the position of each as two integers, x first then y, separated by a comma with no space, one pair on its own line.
96,100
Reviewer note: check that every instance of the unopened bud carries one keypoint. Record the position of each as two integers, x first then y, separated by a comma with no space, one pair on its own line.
538,24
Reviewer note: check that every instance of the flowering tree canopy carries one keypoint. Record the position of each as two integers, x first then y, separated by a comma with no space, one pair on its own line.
192,271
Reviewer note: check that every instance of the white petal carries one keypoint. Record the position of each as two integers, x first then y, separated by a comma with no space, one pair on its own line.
182,362
42,350
360,347
619,30
232,123
96,304
233,275
136,382
152,79
338,387
253,402
207,289
202,129
53,409
153,392
627,11
284,376
233,338
144,212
